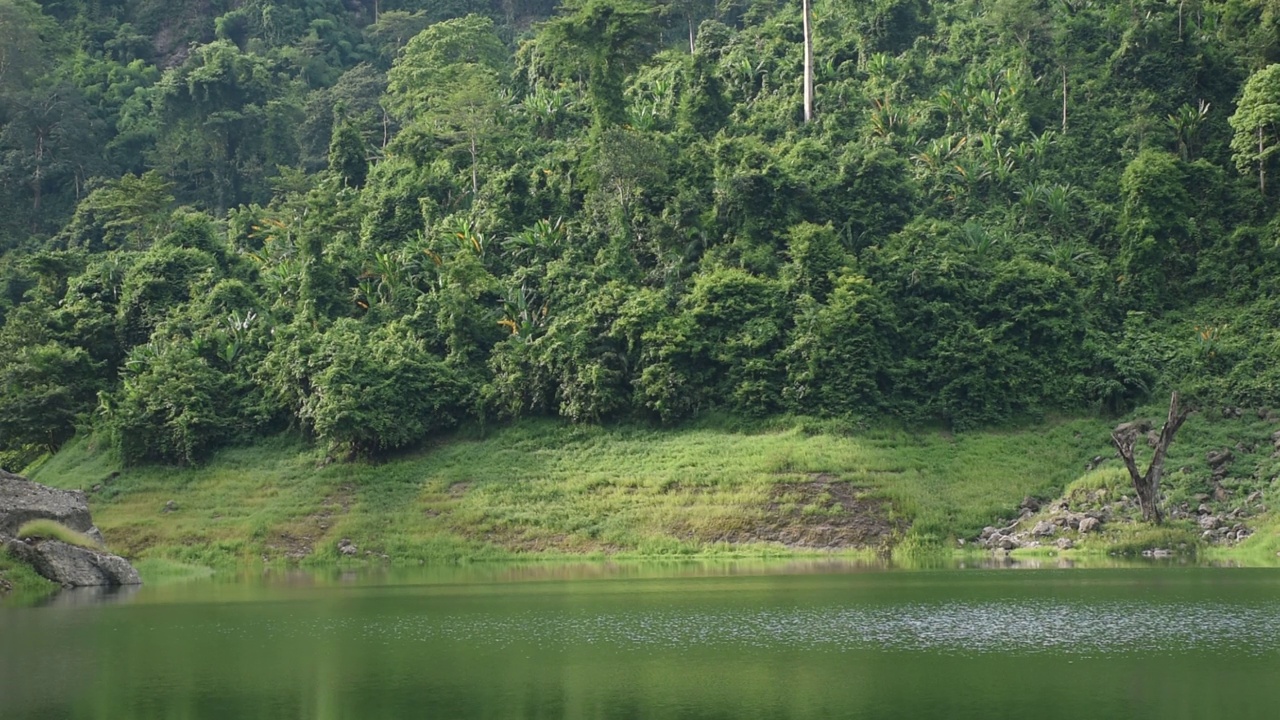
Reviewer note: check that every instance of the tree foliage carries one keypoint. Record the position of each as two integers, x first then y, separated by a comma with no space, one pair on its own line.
372,222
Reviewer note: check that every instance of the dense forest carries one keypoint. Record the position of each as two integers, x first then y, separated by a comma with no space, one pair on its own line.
370,221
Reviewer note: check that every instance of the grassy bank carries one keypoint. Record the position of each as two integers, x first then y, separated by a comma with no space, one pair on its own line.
19,583
549,489
542,489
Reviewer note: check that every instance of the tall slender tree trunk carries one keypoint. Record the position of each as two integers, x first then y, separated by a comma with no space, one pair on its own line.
1262,166
1064,99
808,61
37,186
689,18
475,178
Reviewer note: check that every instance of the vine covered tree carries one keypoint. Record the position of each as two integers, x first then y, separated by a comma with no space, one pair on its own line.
1256,122
605,39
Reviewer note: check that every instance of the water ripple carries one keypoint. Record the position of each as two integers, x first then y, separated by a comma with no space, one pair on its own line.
1025,627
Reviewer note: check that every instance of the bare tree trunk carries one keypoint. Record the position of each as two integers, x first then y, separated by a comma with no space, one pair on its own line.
37,186
475,180
808,63
1064,99
1262,167
691,36
1148,485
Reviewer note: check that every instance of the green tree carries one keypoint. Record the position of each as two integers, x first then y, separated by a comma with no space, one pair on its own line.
1155,226
44,390
222,125
124,213
605,39
468,114
173,405
1257,124
379,390
428,66
349,154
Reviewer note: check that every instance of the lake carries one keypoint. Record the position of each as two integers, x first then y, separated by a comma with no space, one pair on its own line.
804,639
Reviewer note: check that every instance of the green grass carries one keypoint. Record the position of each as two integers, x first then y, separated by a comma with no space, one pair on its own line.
546,489
1112,478
541,489
51,530
25,586
1179,537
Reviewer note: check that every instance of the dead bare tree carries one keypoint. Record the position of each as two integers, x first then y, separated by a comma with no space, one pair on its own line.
1148,485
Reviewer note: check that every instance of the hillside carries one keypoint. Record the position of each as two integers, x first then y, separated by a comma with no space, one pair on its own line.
547,489
366,225
542,489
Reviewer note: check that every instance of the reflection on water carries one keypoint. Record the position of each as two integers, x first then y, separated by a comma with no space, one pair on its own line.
88,596
799,639
249,585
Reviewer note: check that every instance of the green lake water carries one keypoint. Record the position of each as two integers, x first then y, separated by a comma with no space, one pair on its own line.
732,640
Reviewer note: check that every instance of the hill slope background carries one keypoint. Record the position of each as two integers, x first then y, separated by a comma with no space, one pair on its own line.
366,224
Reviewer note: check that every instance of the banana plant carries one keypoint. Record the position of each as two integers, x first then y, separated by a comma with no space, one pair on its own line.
886,121
521,314
466,238
978,240
1186,123
541,239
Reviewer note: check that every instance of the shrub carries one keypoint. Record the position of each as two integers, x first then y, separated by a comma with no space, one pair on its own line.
380,390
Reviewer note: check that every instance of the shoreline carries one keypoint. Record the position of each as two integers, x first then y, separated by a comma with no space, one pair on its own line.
785,488
25,587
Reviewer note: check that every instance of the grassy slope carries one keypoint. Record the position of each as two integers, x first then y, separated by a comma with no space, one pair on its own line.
541,487
544,489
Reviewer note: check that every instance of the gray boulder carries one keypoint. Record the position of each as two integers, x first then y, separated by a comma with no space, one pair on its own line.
22,501
1088,524
73,566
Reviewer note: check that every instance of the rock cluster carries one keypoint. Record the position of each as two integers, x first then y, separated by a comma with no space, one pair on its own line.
1221,517
22,501
1057,519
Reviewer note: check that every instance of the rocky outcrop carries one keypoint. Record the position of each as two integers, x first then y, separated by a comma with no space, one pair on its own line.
74,566
22,501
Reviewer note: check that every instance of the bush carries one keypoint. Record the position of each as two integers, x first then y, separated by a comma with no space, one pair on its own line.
173,406
380,390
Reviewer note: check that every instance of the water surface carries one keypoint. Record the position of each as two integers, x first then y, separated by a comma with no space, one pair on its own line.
738,640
